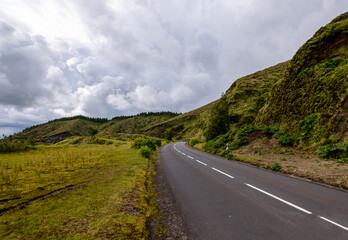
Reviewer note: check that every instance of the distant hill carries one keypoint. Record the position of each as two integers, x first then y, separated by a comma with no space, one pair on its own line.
185,126
60,129
135,124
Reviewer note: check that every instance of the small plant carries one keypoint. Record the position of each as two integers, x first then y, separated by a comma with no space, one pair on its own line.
332,63
307,126
266,140
149,142
286,152
194,141
334,151
276,167
145,151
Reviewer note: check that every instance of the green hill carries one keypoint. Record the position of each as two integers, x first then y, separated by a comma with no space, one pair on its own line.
60,129
135,124
185,126
311,101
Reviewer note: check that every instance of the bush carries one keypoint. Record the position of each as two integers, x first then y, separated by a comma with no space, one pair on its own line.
194,141
335,151
145,151
219,119
14,146
285,139
149,142
276,167
332,63
168,134
307,125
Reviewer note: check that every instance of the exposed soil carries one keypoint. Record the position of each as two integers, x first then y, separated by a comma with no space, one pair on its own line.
264,151
170,217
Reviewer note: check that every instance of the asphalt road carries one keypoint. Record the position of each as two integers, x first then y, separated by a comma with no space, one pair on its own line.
221,199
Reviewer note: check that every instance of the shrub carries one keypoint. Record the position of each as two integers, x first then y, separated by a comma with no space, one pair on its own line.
145,151
158,142
287,140
194,141
14,146
149,142
307,125
284,138
219,119
332,63
138,142
335,151
168,134
276,167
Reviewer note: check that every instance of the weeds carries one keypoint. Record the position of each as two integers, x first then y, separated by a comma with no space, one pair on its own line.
337,152
276,167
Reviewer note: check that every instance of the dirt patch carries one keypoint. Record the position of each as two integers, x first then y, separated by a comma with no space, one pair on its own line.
264,152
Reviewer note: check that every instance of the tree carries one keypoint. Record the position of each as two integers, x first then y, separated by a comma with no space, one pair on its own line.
219,119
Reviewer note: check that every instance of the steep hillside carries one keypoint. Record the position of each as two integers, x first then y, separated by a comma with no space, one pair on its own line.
311,101
249,94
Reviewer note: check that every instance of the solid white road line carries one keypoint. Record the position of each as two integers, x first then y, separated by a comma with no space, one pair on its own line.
201,162
183,153
339,225
189,157
222,172
279,199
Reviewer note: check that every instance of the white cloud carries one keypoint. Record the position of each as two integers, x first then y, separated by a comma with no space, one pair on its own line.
120,57
118,101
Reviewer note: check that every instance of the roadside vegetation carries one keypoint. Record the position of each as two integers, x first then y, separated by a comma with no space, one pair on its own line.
80,188
291,117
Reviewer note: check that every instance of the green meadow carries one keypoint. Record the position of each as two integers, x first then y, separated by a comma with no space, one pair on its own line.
74,191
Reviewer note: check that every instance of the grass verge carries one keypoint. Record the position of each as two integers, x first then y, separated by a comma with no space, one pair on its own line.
114,200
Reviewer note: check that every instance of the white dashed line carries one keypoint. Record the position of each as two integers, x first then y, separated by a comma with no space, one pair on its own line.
222,172
338,225
279,199
201,162
269,194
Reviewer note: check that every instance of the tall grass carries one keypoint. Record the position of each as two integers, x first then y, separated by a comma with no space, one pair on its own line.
104,177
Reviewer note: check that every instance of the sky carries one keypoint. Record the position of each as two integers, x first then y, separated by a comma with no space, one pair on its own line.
109,58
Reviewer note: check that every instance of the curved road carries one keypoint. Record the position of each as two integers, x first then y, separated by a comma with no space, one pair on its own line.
222,199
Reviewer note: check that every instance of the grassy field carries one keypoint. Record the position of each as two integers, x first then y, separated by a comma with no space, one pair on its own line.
84,191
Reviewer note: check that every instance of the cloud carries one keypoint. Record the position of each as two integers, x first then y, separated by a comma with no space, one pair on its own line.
121,57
